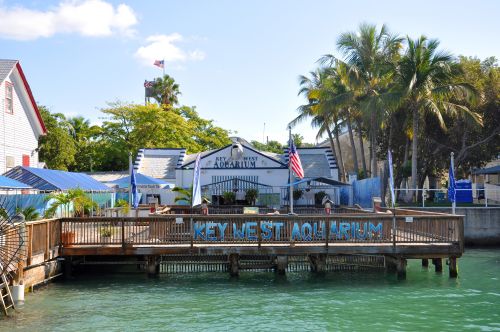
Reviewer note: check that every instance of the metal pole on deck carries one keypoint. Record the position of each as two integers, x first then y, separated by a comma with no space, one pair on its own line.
130,178
453,204
290,194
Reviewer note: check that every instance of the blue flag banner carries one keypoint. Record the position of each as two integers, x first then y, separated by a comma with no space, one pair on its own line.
451,185
135,192
391,177
196,182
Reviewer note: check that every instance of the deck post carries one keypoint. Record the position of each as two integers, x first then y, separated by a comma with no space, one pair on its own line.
281,264
153,266
234,264
401,268
390,264
438,264
425,262
453,267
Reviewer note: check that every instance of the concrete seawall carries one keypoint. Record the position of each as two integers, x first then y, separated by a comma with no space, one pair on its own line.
482,224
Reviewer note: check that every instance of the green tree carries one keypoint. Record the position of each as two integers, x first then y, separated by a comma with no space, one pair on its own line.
270,146
371,55
57,148
425,79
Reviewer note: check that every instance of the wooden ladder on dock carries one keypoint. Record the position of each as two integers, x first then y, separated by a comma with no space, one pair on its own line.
6,300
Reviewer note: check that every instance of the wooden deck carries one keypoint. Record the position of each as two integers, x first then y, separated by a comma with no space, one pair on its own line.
272,239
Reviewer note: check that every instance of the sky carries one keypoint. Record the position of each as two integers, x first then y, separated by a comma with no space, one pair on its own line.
238,62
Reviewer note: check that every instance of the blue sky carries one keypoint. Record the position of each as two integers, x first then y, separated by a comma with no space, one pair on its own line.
237,61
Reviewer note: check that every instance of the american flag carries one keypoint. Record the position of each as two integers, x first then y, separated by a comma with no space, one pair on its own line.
159,63
148,84
294,161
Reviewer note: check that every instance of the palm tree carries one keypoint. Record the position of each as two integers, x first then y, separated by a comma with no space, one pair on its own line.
370,55
425,79
29,213
186,195
166,91
311,87
79,127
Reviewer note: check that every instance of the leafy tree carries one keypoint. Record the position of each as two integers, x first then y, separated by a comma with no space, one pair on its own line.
270,146
57,148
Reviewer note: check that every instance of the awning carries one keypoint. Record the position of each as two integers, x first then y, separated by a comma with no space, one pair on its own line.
322,180
52,180
489,170
143,180
8,183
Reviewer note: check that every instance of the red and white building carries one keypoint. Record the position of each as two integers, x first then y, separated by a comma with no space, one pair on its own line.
21,123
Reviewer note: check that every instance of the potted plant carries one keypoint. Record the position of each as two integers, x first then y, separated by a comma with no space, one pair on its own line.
251,195
123,204
105,233
229,197
318,197
297,194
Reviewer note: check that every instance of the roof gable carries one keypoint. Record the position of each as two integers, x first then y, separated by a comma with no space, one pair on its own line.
13,67
221,159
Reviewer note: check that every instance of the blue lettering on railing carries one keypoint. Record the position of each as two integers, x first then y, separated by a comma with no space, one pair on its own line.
301,231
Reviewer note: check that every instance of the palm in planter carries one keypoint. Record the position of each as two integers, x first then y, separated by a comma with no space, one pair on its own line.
251,195
229,197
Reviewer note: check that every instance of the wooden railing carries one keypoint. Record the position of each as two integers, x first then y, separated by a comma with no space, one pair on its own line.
42,237
263,229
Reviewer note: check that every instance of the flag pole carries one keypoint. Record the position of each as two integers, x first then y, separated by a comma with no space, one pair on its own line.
290,195
130,178
453,203
163,67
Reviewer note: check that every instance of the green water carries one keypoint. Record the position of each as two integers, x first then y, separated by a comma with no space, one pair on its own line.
300,301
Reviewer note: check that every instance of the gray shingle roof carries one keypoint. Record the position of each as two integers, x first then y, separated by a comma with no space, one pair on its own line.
315,165
5,68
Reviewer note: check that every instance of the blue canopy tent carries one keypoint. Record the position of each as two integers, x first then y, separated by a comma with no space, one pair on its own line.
8,183
52,180
142,180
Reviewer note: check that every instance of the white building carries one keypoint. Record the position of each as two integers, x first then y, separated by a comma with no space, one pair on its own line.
237,167
20,121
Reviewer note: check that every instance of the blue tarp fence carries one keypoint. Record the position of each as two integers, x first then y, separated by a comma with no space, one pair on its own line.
39,201
365,190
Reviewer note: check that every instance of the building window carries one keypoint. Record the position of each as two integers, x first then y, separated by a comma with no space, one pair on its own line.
9,100
10,162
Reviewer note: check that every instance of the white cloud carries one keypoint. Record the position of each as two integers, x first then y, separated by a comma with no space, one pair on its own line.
166,47
94,18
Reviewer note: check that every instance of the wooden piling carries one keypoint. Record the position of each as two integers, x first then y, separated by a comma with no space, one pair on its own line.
153,266
317,263
425,262
438,264
281,264
401,268
453,267
234,264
